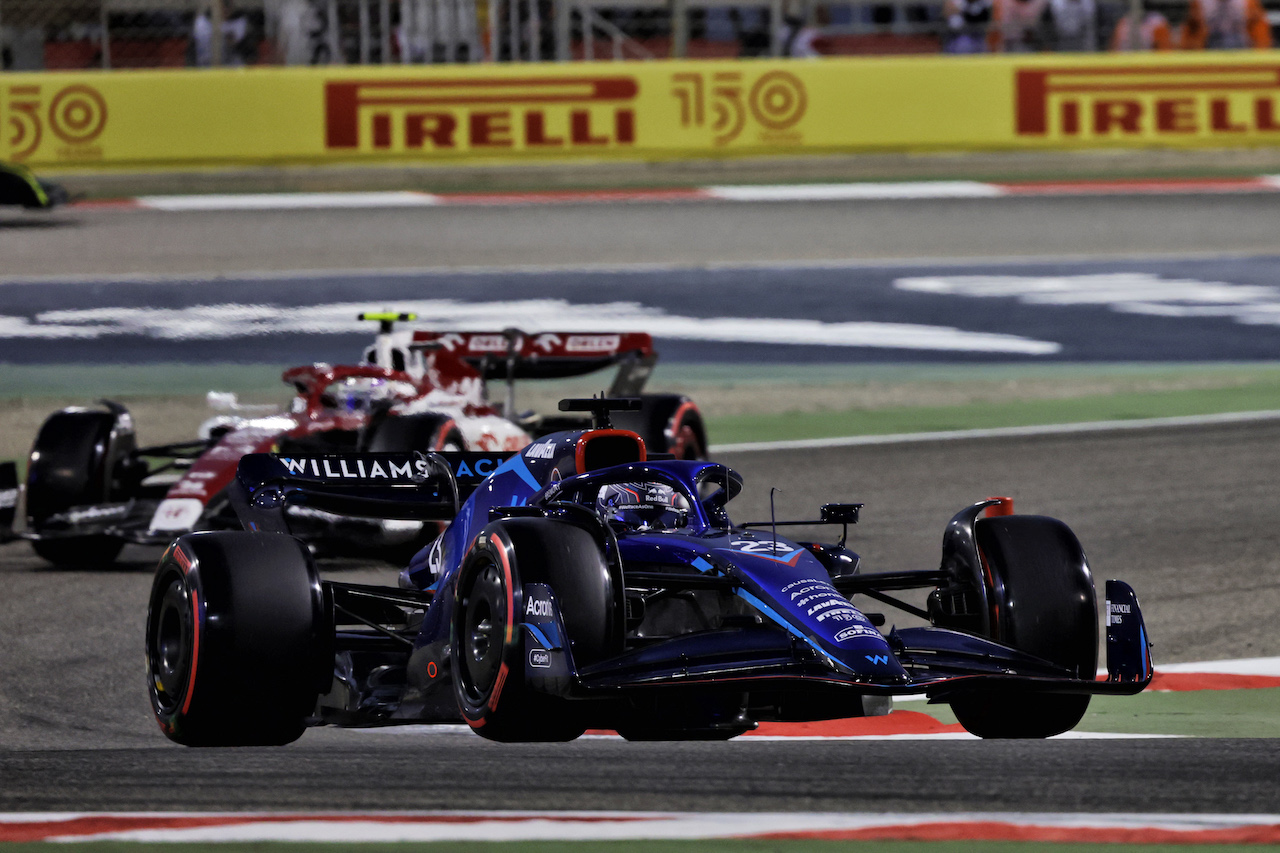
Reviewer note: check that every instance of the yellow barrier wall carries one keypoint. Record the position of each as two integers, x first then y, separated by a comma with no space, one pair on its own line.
651,110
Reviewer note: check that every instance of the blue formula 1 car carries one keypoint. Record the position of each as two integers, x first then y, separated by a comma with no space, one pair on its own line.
582,584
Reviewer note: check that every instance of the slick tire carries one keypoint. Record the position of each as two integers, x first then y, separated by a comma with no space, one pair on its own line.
239,642
668,423
406,433
487,643
413,432
76,461
1042,601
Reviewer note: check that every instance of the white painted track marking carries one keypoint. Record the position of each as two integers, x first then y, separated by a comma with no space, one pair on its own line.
1244,666
1000,432
858,191
286,201
862,191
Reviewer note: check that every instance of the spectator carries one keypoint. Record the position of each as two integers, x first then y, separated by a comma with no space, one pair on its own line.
1074,24
1017,26
967,25
238,47
1225,25
1153,33
291,28
803,39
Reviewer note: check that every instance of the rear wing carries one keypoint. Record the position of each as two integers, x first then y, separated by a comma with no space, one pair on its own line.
511,354
415,486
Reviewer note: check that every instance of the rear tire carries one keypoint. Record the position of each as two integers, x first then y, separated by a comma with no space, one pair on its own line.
668,423
404,433
239,642
76,460
487,643
1042,601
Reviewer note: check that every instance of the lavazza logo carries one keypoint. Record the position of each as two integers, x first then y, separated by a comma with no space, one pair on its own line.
1221,101
547,114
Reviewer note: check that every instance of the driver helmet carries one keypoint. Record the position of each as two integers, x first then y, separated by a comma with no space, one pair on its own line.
355,393
643,506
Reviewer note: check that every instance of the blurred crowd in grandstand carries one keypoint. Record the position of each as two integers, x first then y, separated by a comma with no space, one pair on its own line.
52,34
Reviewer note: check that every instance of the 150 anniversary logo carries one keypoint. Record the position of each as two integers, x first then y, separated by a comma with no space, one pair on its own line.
71,118
723,101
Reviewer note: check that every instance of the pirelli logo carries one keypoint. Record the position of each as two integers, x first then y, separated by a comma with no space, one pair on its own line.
477,114
1155,101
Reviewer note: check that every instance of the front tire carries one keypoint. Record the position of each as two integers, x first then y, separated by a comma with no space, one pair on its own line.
487,643
1042,601
239,641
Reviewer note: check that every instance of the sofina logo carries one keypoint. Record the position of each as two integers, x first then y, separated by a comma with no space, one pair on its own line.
544,114
1221,100
71,118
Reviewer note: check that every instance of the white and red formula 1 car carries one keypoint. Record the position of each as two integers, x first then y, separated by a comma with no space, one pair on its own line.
90,489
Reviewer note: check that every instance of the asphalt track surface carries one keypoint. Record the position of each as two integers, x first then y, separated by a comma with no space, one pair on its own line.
79,241
1185,515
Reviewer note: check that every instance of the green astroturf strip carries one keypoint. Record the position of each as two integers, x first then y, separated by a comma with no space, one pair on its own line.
699,846
1189,713
1255,396
1200,713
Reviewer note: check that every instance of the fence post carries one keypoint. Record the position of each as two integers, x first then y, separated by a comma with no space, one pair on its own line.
217,39
362,18
775,27
384,30
564,29
679,29
535,32
104,20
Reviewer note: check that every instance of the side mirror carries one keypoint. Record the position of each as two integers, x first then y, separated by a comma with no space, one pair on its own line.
841,513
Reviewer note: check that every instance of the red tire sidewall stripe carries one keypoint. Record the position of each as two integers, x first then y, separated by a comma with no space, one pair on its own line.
195,650
501,547
442,437
186,564
677,426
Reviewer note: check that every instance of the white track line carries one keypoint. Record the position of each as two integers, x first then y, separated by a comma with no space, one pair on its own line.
1000,432
286,201
861,191
857,192
1245,666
